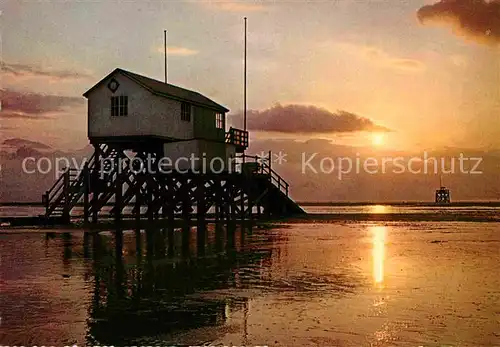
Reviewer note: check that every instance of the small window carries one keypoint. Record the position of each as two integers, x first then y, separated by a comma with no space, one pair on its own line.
119,106
219,120
186,112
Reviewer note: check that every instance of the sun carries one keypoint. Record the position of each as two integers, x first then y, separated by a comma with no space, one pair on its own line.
377,139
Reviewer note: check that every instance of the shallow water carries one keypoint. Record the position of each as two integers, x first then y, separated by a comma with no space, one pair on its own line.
469,209
401,209
392,284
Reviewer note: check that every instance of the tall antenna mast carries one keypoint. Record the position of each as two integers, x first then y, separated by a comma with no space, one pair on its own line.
165,51
245,81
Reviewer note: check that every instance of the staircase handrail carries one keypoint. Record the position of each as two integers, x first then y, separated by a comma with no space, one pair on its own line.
56,183
276,178
265,168
54,195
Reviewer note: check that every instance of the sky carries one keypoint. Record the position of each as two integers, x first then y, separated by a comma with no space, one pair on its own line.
419,74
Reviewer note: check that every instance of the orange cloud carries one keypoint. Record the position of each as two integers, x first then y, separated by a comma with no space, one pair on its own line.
32,105
237,6
382,58
25,70
179,51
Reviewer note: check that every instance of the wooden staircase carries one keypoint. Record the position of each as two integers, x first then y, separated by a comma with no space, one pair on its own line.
62,196
67,191
268,188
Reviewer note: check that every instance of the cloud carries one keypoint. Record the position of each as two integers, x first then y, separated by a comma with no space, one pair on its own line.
382,58
32,105
476,19
179,51
307,119
24,70
18,143
407,64
236,6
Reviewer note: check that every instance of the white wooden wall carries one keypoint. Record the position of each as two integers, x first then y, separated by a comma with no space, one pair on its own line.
148,114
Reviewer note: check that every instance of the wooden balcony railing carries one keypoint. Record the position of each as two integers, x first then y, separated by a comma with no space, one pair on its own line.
237,137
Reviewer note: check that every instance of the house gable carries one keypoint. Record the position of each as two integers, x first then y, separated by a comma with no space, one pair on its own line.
147,114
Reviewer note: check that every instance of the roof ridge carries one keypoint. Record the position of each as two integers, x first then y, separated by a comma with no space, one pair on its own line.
155,80
166,89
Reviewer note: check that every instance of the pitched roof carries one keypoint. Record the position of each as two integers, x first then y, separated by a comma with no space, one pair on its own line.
166,90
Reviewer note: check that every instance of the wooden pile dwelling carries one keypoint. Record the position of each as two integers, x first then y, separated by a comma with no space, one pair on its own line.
161,151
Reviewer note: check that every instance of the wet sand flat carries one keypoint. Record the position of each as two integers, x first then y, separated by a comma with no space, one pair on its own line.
299,284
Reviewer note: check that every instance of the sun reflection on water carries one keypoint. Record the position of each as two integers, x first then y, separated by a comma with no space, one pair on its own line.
378,253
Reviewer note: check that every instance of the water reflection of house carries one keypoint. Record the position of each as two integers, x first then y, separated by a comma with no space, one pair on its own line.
154,296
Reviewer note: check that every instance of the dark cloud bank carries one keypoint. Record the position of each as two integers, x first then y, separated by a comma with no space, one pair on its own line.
18,143
33,105
307,120
478,19
25,70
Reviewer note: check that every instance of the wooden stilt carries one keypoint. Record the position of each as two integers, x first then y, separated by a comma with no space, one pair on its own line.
119,268
150,200
219,237
138,242
186,238
67,196
138,199
171,240
149,244
242,198
86,241
96,186
118,199
86,192
200,216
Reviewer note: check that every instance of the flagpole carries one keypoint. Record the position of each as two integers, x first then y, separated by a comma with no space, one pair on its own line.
245,81
165,51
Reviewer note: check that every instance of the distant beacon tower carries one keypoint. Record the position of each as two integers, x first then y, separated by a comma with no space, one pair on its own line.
442,194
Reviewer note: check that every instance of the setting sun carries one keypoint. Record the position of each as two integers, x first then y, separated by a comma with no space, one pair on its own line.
377,139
